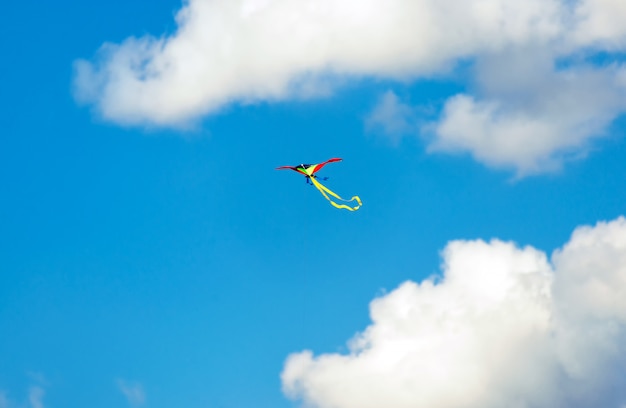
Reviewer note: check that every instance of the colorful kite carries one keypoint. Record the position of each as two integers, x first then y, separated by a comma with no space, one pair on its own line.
309,171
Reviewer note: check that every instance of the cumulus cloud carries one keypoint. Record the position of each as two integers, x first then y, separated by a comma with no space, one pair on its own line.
227,51
505,326
133,392
531,116
601,23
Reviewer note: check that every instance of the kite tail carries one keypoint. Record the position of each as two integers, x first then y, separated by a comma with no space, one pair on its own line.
324,192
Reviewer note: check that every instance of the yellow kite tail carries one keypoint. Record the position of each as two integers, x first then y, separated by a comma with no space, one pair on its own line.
325,190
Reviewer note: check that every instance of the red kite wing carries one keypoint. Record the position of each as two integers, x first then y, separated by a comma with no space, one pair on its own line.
317,167
309,169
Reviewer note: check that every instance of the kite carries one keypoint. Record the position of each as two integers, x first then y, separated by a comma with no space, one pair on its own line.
309,171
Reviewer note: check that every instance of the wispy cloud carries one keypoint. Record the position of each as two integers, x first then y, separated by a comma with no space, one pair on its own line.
133,391
505,327
4,401
35,397
392,117
38,378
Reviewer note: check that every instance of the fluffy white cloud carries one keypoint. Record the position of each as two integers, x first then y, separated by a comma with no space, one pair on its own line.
228,51
600,22
527,116
531,116
504,327
522,116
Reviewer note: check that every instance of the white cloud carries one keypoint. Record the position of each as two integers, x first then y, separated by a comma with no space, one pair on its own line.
601,22
239,51
504,327
133,392
531,119
524,117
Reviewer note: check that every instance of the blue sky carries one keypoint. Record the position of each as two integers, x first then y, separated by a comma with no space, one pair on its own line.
151,256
